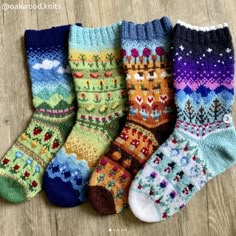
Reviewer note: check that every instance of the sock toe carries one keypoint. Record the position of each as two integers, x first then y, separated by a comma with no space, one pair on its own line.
60,193
101,200
11,190
143,207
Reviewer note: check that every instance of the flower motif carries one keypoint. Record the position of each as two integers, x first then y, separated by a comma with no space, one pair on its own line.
26,174
194,171
103,162
29,161
164,215
104,119
151,192
16,167
36,169
5,161
158,201
101,178
96,96
111,183
153,174
184,160
186,148
119,193
34,184
163,183
174,151
124,176
174,141
173,194
18,154
115,168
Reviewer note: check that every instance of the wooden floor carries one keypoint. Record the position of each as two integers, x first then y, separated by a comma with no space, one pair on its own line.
211,212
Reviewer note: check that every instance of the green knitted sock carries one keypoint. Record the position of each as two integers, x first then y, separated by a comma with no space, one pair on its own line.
22,167
100,84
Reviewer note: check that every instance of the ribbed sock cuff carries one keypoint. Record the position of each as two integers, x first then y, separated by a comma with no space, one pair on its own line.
149,30
203,35
108,35
47,37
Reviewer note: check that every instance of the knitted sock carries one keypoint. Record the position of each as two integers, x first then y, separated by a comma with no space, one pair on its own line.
22,167
150,120
95,60
203,142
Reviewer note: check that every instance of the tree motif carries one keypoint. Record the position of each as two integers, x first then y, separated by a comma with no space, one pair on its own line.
82,57
146,53
104,64
160,51
110,57
123,52
134,53
189,111
179,112
202,116
96,59
216,109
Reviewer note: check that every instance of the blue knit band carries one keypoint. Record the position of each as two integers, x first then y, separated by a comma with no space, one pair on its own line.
47,37
148,30
104,36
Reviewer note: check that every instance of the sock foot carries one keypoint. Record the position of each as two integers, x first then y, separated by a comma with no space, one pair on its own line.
101,200
142,207
66,195
11,190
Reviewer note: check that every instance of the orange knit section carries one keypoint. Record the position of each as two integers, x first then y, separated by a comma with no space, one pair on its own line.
151,95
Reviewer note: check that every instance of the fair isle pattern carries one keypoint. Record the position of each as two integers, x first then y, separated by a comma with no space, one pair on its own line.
151,112
203,142
22,167
102,97
51,96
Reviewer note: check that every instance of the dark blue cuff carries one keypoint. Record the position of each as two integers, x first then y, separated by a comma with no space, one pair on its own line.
48,37
149,30
202,35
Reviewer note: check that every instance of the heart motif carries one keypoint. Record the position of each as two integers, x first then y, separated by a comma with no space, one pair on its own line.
163,98
139,99
150,100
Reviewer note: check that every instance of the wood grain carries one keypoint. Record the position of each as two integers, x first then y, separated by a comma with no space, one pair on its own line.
211,212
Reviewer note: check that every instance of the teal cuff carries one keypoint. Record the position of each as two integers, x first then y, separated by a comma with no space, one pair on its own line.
95,38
